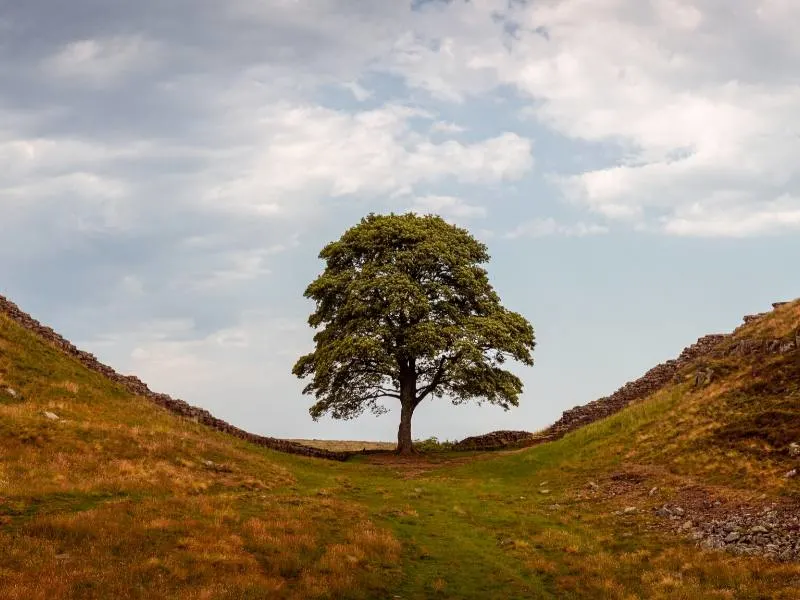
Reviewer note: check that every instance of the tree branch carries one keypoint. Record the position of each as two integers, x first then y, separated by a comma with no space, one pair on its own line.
435,380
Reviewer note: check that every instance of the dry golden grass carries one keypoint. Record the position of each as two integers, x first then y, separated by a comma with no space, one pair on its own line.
119,499
192,547
781,322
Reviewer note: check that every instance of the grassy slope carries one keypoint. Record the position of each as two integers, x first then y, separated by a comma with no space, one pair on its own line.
115,500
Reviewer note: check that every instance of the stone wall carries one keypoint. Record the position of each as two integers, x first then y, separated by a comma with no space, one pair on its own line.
138,387
494,440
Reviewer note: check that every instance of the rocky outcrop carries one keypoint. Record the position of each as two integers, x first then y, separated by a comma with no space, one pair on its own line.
772,531
138,387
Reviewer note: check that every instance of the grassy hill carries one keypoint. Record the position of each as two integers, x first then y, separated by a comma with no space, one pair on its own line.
104,494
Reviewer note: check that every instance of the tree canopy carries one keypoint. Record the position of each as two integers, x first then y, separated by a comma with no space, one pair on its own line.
405,311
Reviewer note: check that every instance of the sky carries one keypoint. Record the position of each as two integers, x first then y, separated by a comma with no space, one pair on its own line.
170,170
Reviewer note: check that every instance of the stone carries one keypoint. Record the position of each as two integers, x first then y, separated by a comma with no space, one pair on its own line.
678,511
629,510
732,537
687,525
50,415
703,377
543,483
11,392
790,474
544,491
712,543
652,491
758,529
494,440
794,449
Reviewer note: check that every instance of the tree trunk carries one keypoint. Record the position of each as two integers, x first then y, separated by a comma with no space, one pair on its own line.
408,388
404,445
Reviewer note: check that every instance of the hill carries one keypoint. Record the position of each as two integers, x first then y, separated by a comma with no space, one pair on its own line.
106,492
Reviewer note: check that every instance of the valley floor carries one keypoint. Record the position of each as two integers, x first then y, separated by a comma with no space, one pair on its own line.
527,524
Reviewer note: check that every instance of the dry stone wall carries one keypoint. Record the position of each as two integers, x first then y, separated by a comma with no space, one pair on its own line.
494,440
138,387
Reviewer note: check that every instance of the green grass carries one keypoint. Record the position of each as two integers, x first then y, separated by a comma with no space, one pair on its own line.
116,499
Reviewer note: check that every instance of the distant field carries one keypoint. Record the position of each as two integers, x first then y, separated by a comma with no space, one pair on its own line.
347,445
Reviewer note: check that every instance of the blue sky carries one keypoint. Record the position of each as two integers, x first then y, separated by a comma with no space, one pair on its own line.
171,170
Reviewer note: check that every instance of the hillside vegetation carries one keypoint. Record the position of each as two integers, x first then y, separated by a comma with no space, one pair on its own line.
104,494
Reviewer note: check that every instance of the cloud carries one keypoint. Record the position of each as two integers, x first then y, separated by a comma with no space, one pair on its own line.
312,152
744,220
101,62
536,228
447,205
359,92
445,127
677,86
238,266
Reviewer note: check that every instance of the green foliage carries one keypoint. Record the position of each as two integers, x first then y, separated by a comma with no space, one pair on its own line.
405,310
433,444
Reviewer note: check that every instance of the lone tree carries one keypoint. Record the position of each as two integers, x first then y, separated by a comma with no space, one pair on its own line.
405,311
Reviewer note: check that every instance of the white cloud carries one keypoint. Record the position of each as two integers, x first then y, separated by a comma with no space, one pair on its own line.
546,227
304,153
102,61
445,127
678,85
238,266
448,206
743,220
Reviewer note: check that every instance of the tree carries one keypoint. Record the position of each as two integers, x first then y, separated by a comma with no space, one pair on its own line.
405,311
